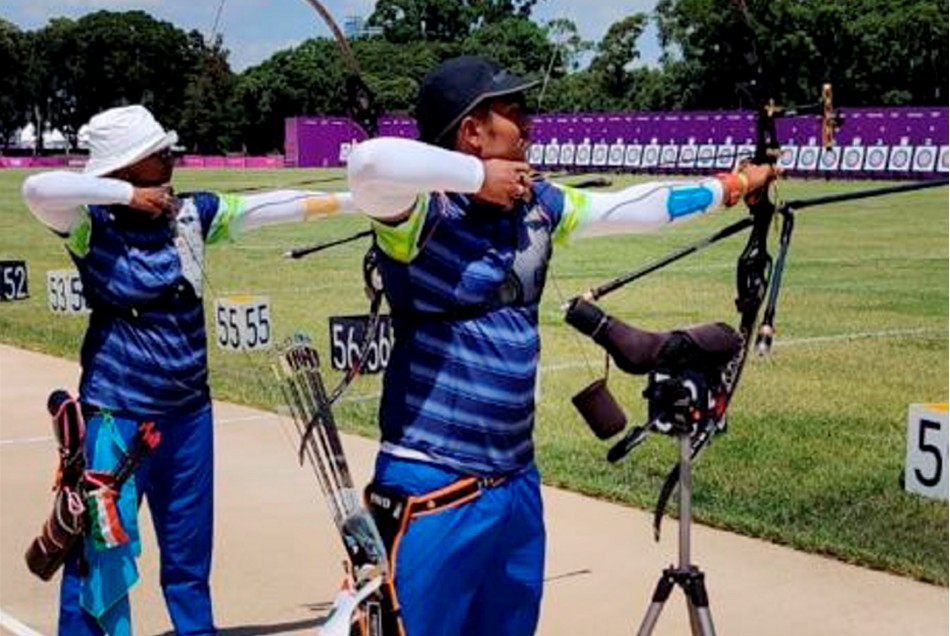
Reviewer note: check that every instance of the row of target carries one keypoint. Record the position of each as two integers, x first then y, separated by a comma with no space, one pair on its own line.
902,158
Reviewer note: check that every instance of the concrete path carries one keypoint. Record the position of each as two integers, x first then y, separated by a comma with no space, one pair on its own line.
277,559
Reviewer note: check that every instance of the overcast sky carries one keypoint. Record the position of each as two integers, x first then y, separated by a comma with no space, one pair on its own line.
254,29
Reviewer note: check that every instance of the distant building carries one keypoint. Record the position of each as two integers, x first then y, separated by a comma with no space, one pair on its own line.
354,26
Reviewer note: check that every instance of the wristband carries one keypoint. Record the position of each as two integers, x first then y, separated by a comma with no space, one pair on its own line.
734,186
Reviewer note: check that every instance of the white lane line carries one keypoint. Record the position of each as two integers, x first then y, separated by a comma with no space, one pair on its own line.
26,440
860,335
244,418
562,366
218,420
16,626
793,342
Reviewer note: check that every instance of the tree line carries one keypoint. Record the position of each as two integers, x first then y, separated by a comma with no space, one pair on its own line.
874,52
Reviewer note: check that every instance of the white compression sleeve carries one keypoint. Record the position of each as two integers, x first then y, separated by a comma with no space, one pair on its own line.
647,206
55,198
387,174
286,206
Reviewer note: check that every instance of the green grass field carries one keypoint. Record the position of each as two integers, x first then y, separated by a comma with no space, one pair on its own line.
816,442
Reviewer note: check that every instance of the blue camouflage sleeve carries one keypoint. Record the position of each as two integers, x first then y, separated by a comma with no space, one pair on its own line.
551,199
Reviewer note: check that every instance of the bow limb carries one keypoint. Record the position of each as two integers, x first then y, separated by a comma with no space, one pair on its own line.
361,104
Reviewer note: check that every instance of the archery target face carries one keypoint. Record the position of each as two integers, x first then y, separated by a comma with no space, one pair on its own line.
876,158
943,165
600,155
616,155
808,158
744,152
706,157
668,156
582,155
536,154
725,156
900,158
567,154
852,158
687,156
632,154
925,158
551,153
651,156
786,160
830,158
345,148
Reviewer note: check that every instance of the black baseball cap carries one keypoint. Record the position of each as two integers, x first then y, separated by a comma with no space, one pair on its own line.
458,85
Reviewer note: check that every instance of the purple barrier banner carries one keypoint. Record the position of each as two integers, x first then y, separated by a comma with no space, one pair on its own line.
232,161
270,161
193,161
37,162
186,161
885,142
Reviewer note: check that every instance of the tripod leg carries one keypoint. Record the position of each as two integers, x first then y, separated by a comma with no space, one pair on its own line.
660,594
700,618
694,627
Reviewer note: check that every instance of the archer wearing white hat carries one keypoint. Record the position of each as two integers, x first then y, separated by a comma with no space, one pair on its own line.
139,250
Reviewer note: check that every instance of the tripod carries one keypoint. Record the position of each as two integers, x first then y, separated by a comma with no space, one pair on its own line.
687,576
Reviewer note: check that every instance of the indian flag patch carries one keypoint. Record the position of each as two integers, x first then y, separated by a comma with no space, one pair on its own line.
105,526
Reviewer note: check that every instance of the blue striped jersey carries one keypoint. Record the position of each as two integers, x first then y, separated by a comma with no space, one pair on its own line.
460,382
145,353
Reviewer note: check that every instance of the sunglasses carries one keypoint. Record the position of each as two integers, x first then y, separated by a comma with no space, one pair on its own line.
165,154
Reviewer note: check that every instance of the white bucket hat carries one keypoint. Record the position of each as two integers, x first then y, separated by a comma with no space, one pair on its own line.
119,137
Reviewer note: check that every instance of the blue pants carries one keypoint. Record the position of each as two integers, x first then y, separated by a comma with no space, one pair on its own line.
474,568
177,480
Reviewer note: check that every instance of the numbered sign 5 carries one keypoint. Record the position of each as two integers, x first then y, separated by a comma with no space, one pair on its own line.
925,469
14,280
346,337
64,292
243,323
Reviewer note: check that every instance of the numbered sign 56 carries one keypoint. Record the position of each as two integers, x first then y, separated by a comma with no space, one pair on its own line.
346,338
243,323
64,292
925,468
13,280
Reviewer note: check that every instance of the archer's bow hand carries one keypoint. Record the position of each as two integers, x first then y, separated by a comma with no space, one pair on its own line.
758,179
750,183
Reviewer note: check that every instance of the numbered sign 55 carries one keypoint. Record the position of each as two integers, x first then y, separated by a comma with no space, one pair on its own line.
243,322
13,280
64,292
346,338
925,468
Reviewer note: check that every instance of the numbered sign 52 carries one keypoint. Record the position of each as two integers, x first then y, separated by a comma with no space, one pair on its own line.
346,338
13,280
64,292
243,322
925,468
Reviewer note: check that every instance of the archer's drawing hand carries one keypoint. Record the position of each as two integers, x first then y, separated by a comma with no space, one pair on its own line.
505,182
153,201
758,178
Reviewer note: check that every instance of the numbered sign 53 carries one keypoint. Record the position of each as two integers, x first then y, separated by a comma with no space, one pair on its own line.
64,292
346,338
243,322
13,280
925,468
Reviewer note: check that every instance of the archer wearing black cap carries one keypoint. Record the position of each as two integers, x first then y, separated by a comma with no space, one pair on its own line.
465,237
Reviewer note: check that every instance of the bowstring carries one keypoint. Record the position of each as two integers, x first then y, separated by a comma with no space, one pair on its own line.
561,297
